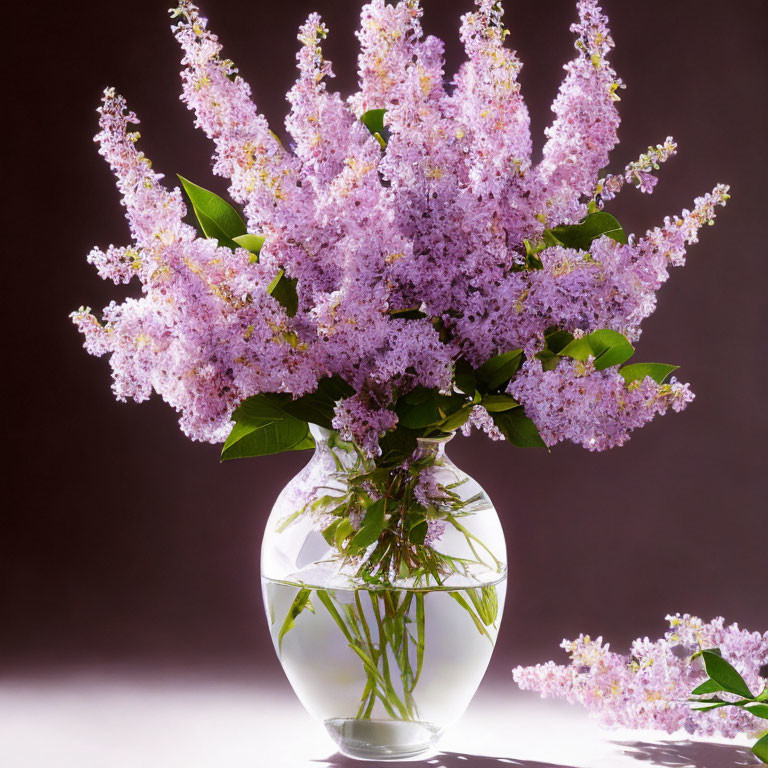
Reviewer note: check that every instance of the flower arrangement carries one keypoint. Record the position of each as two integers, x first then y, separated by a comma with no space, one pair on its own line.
405,250
706,678
398,267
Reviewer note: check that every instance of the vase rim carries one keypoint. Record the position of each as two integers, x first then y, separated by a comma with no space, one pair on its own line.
435,440
321,434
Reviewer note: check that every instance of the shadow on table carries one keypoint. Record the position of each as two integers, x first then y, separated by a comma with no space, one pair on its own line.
689,754
442,760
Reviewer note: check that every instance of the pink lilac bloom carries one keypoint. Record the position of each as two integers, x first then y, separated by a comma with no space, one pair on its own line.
649,687
205,331
431,495
362,422
586,121
436,220
639,172
596,409
481,419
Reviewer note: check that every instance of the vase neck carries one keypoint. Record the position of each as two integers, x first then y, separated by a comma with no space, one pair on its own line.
320,434
328,440
434,447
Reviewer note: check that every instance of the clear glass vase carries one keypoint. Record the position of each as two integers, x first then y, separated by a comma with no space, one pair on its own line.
384,589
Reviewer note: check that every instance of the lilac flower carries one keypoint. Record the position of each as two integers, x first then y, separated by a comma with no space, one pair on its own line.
205,331
481,419
363,423
438,220
262,172
649,688
639,172
488,107
596,409
586,121
389,38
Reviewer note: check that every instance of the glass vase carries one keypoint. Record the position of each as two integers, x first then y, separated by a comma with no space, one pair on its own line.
384,588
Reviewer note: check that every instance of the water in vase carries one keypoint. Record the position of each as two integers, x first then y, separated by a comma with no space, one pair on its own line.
386,669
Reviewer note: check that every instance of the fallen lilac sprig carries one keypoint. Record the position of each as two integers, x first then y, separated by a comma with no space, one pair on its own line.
667,684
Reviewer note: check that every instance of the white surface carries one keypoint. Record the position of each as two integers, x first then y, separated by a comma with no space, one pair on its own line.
162,722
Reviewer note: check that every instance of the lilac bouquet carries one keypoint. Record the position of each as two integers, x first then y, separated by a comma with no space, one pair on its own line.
724,668
400,268
397,266
400,255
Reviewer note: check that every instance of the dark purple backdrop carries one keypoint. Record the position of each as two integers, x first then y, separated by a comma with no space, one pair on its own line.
123,541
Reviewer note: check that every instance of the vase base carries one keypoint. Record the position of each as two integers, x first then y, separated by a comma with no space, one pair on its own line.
382,739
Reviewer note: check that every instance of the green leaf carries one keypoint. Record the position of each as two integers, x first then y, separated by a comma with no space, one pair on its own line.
518,428
252,243
580,236
708,686
475,618
300,602
760,749
697,654
498,370
758,710
263,427
218,219
414,313
418,395
549,359
556,340
329,533
397,446
373,120
209,225
418,532
709,707
283,289
659,372
464,377
498,403
370,530
456,420
606,346
318,407
424,407
724,674
610,347
343,529
578,349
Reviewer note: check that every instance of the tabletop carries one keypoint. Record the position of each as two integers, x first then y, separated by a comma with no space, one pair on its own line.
159,720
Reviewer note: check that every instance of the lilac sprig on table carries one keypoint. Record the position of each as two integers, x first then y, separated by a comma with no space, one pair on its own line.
396,265
707,678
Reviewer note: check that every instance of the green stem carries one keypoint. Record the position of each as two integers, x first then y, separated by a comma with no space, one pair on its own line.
420,635
475,618
394,633
391,694
471,537
370,666
362,637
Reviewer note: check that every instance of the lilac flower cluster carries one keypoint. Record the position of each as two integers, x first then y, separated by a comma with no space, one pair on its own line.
596,409
438,220
650,688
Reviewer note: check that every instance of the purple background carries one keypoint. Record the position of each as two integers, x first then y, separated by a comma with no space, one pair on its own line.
122,541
